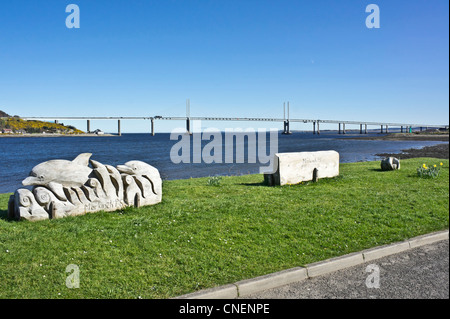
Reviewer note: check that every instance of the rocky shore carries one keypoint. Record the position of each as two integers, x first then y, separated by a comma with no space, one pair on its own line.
407,137
436,151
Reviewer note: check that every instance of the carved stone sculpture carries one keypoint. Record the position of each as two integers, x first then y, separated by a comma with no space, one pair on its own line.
63,188
390,164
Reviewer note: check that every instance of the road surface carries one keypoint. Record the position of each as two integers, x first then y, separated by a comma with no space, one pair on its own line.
419,273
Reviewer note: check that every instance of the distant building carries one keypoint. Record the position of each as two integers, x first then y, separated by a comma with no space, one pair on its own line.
7,131
99,132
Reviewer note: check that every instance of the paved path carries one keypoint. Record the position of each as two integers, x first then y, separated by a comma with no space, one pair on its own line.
420,273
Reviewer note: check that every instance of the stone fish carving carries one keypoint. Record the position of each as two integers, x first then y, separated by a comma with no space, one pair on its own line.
68,188
56,174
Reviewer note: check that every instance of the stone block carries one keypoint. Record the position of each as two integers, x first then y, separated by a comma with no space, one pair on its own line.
297,167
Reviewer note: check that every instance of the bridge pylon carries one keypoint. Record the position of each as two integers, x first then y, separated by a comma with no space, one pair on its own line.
286,129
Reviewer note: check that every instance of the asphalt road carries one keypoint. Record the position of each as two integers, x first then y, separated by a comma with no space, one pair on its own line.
420,273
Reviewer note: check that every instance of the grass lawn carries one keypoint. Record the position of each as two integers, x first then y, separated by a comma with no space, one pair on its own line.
203,236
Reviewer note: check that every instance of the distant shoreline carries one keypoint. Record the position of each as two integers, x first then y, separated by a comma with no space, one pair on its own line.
54,135
405,137
435,151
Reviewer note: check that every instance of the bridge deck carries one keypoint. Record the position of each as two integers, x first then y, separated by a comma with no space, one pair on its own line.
249,119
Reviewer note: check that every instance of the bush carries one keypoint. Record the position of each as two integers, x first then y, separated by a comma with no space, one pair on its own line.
214,180
429,172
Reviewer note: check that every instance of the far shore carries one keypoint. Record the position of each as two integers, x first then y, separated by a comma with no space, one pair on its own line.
54,135
435,151
406,137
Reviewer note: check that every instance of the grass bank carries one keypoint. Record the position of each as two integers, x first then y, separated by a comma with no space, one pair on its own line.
203,236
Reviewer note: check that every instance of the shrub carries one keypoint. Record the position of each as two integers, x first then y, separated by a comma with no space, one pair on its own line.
429,172
214,180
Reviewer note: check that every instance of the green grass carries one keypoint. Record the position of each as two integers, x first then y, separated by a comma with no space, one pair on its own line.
203,236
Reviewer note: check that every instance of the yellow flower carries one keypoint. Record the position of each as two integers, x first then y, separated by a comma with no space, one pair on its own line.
434,165
424,166
441,164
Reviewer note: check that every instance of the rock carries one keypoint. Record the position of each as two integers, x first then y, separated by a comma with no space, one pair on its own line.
297,167
69,188
390,164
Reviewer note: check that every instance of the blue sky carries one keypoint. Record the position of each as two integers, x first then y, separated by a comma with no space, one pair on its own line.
230,58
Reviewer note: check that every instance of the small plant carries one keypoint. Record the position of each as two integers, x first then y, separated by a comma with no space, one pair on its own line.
429,172
214,180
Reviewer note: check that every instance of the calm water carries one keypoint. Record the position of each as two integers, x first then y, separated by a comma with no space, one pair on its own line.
19,155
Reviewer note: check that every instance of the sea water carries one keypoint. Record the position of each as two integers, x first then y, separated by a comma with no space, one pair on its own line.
18,155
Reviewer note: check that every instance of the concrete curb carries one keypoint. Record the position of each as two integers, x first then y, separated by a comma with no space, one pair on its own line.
223,292
250,286
334,264
382,251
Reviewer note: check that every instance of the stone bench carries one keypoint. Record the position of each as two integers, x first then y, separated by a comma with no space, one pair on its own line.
297,167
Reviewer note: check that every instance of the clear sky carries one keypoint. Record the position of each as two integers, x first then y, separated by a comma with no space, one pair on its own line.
230,58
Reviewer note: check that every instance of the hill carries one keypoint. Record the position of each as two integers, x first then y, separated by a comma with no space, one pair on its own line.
19,126
3,114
